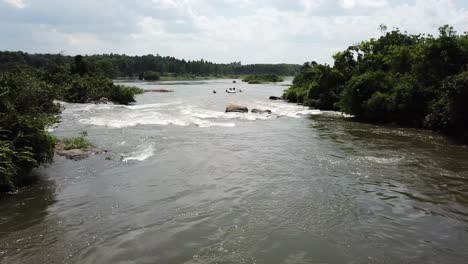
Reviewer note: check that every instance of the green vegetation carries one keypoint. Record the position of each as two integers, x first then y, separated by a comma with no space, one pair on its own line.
80,142
132,89
81,85
88,89
149,76
114,65
26,108
256,79
410,80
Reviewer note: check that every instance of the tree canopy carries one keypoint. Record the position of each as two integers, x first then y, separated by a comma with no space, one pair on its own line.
410,80
115,65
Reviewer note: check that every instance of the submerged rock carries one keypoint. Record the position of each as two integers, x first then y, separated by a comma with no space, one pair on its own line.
159,91
102,100
236,108
76,154
275,98
258,111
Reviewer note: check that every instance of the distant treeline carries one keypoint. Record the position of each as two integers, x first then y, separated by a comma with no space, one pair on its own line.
409,80
114,65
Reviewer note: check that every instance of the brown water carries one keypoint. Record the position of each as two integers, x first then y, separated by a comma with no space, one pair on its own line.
200,186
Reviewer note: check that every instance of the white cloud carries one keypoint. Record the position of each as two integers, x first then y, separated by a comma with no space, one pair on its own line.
16,3
363,3
166,3
220,30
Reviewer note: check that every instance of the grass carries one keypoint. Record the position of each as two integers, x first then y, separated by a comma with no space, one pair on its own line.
134,89
80,142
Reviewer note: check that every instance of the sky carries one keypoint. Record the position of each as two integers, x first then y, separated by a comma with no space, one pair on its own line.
223,31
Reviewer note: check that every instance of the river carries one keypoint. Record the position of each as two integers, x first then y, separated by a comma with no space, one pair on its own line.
188,183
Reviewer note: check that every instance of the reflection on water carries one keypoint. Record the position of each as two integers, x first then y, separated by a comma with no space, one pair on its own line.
26,208
280,188
22,218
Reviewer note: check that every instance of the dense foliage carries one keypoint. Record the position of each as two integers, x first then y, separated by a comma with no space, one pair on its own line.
78,83
94,88
254,79
149,76
26,108
410,80
114,65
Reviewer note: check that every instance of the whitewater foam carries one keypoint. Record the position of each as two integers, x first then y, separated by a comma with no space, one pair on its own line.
178,113
142,153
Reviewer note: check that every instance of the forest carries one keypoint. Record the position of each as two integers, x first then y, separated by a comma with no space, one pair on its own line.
114,65
403,79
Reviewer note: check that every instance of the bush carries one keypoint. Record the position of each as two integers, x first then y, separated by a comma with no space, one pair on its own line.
360,89
256,79
318,86
133,89
80,142
88,88
449,113
122,94
290,95
149,76
26,108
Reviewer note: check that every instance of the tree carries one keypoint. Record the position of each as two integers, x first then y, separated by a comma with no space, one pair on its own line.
26,108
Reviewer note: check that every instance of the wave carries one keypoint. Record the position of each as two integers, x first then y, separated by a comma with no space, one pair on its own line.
140,154
179,113
384,160
133,120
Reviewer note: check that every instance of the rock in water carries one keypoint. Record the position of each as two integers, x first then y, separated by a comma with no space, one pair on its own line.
75,154
275,98
236,108
258,111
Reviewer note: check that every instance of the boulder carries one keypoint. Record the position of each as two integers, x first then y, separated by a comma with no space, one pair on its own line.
103,100
275,98
76,154
258,111
236,108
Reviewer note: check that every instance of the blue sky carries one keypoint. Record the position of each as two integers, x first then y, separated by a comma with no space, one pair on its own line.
251,31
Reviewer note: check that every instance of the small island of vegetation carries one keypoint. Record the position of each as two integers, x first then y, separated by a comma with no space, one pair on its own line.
410,80
264,78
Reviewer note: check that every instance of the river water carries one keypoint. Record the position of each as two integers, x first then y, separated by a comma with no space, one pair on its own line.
188,183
